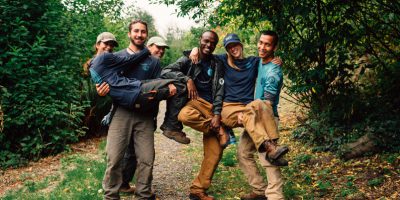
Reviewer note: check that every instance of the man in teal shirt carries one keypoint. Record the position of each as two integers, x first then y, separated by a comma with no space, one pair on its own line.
268,87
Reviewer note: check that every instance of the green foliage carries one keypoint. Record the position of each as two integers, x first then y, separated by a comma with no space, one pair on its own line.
44,46
229,156
376,181
341,57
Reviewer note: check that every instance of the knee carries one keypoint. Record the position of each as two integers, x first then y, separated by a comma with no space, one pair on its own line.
243,154
184,114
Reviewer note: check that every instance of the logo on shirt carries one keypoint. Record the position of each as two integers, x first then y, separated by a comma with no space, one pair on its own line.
145,66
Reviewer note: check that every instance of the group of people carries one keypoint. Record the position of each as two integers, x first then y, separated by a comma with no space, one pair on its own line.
209,93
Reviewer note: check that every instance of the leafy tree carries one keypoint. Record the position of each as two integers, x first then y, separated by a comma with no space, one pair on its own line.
341,57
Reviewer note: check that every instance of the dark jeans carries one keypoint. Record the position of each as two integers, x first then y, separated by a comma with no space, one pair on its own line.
148,102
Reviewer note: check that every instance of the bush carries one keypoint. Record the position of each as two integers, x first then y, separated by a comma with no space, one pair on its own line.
44,46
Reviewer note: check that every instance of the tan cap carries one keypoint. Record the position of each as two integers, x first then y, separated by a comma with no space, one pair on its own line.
105,37
159,41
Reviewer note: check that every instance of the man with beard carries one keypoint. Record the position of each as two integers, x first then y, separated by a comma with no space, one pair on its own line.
131,129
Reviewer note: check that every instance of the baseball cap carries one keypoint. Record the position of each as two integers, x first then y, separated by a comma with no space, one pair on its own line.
105,37
159,41
231,38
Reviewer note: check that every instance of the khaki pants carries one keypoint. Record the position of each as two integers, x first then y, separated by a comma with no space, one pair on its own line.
197,115
125,125
258,120
246,150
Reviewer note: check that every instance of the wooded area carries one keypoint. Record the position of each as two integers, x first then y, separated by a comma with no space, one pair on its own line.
341,63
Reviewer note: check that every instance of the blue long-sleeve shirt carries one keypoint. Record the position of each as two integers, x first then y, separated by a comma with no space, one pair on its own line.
107,67
269,84
239,85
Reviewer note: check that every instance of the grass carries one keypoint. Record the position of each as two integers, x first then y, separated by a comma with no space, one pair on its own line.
81,179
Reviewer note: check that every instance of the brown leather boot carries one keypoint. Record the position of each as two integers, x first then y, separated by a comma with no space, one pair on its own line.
178,136
223,137
253,196
200,196
280,162
273,150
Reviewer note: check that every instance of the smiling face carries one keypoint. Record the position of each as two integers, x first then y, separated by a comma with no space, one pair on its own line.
105,47
235,50
138,34
208,42
157,51
266,47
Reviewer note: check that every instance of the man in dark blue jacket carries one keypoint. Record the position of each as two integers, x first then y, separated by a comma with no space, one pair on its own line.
131,129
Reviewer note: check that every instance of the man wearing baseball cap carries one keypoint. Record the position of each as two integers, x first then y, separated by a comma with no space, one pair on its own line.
157,46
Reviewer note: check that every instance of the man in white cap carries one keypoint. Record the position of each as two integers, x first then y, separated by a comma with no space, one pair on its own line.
157,46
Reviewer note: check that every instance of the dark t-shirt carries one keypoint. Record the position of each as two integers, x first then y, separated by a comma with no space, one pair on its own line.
239,85
203,81
148,69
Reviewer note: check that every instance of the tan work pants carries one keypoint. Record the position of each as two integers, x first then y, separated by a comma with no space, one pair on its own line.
246,150
258,120
197,114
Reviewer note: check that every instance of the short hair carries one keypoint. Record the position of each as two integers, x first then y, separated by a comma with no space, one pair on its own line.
213,32
271,33
135,21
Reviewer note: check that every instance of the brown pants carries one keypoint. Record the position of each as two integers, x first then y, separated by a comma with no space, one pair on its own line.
197,115
247,163
258,120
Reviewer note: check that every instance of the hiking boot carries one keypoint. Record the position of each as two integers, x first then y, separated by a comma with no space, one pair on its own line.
223,137
128,189
178,136
280,162
200,196
253,196
273,150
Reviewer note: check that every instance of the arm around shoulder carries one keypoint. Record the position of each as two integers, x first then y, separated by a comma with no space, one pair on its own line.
178,70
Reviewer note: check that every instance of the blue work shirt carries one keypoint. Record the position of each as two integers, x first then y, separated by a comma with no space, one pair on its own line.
107,67
269,84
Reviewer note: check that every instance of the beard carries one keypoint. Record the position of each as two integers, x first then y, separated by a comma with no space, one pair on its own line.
140,46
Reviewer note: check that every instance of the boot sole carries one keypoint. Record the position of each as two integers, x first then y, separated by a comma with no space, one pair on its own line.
173,138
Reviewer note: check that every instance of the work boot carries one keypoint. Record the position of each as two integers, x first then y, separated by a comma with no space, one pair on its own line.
200,196
223,137
273,150
280,162
178,136
128,189
253,196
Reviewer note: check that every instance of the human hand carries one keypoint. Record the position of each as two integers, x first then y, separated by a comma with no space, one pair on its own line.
240,118
103,89
192,90
172,90
277,61
215,122
194,55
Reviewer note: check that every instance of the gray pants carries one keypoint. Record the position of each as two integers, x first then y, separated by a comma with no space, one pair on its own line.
127,124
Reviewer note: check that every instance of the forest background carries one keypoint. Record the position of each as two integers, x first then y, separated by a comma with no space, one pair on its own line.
341,64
